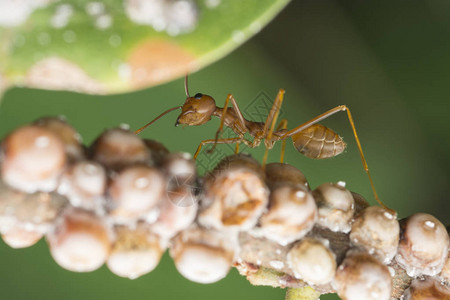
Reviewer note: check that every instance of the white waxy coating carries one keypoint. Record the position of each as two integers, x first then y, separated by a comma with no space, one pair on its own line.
80,241
33,212
175,17
202,264
377,231
133,264
14,13
117,148
84,184
335,205
174,218
17,237
89,177
445,273
33,160
203,255
180,164
135,191
281,173
423,246
135,252
80,252
182,175
46,73
362,276
237,199
312,261
292,213
70,138
427,288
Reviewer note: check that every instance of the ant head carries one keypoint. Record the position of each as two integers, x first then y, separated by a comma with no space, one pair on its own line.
196,110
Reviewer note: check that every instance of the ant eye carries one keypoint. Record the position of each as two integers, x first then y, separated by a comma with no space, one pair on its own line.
198,95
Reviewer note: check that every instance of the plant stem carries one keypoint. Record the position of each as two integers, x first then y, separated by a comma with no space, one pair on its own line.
305,293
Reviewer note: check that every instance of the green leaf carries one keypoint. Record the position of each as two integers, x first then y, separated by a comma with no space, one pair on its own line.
107,47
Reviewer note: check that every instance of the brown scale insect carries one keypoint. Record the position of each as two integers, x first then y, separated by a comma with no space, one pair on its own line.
311,139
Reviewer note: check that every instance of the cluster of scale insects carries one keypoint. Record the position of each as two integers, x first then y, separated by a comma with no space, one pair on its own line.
124,200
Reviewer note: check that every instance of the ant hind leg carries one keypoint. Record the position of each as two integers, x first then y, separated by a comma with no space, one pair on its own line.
327,114
282,125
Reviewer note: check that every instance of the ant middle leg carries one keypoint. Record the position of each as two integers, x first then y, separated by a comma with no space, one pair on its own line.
219,141
282,125
272,119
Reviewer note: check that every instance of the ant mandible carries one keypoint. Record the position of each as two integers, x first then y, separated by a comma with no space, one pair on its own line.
311,139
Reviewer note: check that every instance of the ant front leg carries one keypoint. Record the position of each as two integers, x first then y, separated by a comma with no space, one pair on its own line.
222,120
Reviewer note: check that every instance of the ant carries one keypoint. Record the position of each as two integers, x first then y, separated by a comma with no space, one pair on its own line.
311,139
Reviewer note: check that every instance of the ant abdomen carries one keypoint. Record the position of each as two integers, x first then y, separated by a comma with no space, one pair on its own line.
318,141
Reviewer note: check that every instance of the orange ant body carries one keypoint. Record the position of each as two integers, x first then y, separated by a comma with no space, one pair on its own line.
311,139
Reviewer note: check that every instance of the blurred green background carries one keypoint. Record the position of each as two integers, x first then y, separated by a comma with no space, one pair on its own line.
389,61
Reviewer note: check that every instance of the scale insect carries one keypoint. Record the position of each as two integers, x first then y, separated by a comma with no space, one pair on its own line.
310,138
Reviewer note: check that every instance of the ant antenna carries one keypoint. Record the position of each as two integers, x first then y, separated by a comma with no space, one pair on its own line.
167,111
186,85
155,119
